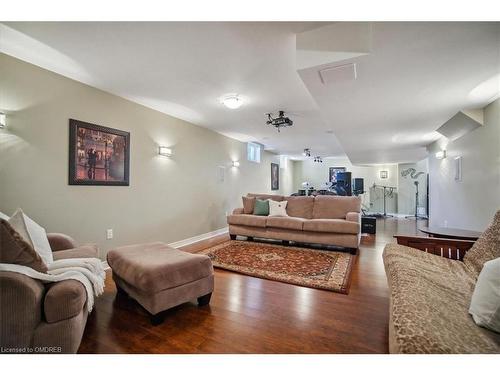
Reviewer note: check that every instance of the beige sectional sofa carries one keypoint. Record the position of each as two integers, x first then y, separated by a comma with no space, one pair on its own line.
328,220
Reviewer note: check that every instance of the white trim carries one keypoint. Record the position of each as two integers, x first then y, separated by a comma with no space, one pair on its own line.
187,241
201,237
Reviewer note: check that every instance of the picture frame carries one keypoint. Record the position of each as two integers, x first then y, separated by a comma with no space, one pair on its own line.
98,155
275,176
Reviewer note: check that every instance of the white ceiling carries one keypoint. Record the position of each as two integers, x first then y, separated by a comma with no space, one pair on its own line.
411,77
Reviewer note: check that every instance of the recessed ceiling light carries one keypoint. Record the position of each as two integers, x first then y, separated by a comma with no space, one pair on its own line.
232,101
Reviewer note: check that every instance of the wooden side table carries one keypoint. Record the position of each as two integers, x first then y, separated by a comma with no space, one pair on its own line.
451,233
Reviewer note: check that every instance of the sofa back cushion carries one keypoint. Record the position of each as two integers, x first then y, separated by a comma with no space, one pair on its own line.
15,250
278,198
335,207
486,248
300,207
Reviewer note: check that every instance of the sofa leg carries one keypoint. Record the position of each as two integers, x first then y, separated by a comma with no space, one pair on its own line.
204,300
157,319
232,236
285,242
353,250
250,238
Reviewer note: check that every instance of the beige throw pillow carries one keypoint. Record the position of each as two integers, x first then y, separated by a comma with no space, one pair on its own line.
277,208
485,301
33,234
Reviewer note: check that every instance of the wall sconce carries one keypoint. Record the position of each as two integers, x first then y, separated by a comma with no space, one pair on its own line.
3,120
441,155
384,174
164,151
236,164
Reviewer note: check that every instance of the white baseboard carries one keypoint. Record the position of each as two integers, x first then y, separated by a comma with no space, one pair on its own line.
201,237
187,241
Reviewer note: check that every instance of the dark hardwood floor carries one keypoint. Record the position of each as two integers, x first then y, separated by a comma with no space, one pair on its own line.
251,315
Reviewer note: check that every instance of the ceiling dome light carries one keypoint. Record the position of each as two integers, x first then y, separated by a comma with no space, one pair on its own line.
232,101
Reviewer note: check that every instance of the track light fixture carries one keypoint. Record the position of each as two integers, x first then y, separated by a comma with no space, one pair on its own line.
318,159
306,152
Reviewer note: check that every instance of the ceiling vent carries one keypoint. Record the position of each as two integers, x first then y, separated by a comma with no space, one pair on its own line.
341,73
458,126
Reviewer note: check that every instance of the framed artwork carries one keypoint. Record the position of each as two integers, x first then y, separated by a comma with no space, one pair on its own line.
275,176
333,173
98,155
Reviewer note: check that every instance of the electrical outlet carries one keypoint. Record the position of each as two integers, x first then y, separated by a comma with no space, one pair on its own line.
446,223
109,234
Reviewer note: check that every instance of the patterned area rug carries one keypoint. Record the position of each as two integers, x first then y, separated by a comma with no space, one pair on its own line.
321,269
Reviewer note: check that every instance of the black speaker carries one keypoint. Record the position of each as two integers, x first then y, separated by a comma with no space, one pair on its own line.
344,183
358,186
368,225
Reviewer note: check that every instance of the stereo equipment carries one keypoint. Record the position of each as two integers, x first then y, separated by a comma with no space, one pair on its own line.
368,225
358,186
344,183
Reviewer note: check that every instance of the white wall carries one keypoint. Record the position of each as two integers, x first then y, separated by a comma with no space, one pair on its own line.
472,202
318,173
169,199
406,187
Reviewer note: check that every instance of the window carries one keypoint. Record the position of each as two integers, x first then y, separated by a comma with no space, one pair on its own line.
253,152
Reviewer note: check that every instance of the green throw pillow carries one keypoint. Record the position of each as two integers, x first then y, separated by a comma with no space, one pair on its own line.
261,207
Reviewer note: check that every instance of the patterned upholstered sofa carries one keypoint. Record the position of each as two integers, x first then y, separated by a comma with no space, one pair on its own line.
329,220
431,282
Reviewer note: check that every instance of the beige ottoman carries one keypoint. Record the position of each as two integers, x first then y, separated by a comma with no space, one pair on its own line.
160,277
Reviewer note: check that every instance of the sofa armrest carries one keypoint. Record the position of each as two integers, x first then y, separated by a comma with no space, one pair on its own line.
64,300
60,241
444,247
84,251
353,216
238,211
21,300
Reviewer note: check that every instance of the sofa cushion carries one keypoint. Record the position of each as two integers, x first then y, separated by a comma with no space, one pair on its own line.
261,207
249,220
32,233
84,251
64,300
277,208
430,298
486,248
154,267
248,204
15,250
331,226
293,223
485,302
300,207
266,196
335,207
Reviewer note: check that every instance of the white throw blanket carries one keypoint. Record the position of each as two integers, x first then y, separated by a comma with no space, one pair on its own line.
88,271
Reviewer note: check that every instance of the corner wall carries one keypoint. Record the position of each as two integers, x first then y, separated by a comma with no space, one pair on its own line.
169,199
472,202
